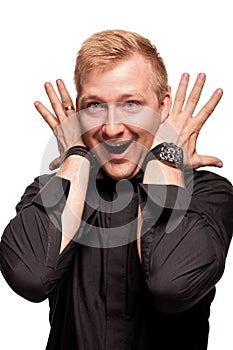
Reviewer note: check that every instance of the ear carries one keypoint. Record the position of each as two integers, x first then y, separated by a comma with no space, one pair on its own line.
76,103
165,105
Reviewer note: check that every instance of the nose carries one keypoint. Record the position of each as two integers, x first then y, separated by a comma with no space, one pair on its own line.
113,126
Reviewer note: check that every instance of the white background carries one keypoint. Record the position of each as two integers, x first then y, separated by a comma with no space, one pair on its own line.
39,41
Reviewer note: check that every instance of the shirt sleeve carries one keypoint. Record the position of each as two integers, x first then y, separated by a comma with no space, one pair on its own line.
186,235
29,249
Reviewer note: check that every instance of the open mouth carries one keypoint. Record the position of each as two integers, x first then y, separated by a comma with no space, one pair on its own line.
117,148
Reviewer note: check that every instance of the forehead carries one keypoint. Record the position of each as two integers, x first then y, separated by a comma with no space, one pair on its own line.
132,74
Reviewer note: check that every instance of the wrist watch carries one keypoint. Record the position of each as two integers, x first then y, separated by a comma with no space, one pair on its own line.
168,153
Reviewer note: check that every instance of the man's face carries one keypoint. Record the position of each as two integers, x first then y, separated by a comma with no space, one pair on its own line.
120,115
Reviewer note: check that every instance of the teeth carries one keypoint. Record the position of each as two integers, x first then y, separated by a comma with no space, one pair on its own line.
117,144
117,148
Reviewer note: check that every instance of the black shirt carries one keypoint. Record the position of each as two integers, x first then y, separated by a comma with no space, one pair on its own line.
101,296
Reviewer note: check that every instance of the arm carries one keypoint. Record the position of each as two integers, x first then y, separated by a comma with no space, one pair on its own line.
29,248
36,247
184,252
76,169
65,125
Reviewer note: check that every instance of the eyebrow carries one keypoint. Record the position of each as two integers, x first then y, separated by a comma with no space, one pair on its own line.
87,98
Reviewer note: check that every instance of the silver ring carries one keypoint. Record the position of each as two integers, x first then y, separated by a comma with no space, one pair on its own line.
68,108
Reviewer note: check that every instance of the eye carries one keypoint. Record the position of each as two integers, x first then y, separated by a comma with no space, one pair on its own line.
131,106
95,107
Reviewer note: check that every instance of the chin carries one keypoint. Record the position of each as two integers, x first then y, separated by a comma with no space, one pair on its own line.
122,171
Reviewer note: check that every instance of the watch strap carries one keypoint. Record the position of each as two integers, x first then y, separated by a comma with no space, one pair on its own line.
80,151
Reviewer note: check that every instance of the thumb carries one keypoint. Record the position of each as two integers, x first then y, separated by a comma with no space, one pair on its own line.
55,163
209,161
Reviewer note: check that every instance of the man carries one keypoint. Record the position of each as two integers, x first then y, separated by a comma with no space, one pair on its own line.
126,243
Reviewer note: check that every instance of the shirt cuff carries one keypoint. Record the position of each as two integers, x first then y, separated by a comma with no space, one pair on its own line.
154,198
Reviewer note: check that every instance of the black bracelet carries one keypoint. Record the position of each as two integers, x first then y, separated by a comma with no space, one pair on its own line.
79,151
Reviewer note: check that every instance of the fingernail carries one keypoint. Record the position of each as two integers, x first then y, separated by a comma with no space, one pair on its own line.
219,91
58,81
202,76
185,75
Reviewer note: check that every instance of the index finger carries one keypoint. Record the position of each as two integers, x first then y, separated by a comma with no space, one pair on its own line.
209,107
50,119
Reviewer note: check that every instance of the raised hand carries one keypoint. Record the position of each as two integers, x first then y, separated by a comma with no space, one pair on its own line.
64,122
186,126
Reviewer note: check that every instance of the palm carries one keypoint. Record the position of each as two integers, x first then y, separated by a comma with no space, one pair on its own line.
183,128
63,122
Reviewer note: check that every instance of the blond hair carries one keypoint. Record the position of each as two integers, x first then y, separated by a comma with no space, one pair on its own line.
106,48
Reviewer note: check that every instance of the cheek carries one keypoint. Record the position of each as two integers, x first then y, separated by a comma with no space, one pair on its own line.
148,140
152,124
88,139
89,133
89,124
146,135
146,124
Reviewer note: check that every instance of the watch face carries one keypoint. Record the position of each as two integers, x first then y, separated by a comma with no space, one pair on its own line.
171,154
